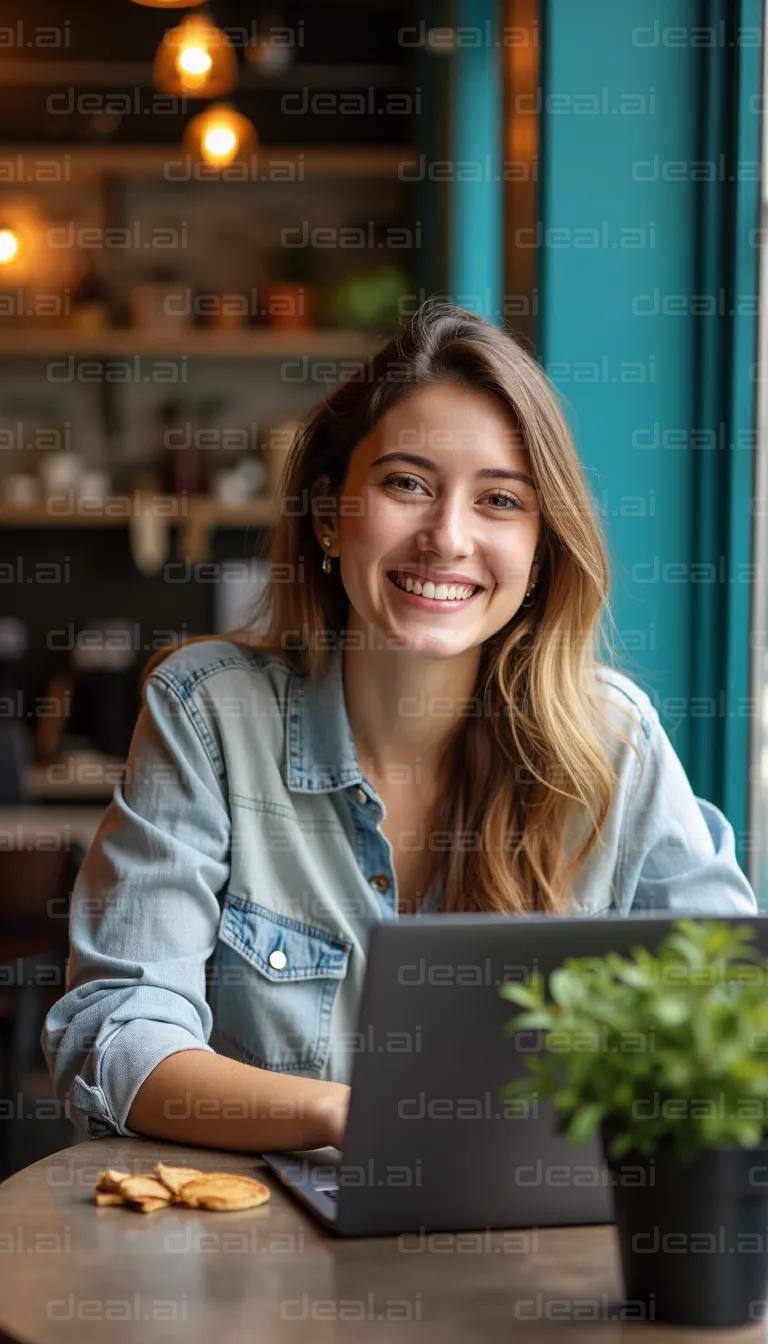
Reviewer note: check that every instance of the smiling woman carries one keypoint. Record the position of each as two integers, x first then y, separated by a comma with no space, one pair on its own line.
485,416
442,737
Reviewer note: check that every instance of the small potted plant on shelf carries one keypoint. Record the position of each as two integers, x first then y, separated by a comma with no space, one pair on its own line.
290,293
666,1057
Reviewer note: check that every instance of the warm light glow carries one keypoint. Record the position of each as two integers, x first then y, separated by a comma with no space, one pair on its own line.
195,58
220,142
195,61
9,246
26,256
220,136
169,4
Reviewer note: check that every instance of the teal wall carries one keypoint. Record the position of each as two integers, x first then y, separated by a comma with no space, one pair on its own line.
635,254
649,124
744,241
476,223
626,370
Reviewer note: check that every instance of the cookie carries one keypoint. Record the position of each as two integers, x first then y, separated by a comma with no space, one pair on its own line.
109,1181
222,1191
139,1189
175,1178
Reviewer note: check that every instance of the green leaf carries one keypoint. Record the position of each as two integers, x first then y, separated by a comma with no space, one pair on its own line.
523,1020
521,994
519,1087
672,1011
585,1121
567,988
621,1144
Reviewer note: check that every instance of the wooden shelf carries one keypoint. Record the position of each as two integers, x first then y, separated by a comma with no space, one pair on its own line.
214,512
194,343
288,163
65,510
54,74
196,516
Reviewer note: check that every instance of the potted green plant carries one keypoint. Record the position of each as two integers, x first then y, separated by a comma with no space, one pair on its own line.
370,300
666,1057
290,292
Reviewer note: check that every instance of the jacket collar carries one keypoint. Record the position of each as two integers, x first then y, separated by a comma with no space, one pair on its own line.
321,753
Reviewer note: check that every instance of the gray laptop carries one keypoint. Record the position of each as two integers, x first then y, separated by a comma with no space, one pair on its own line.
430,1143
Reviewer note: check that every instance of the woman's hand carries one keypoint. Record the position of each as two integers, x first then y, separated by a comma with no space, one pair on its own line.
177,1098
329,1114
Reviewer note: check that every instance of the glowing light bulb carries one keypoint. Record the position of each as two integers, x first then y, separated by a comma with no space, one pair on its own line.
195,61
196,57
169,4
220,136
9,246
220,142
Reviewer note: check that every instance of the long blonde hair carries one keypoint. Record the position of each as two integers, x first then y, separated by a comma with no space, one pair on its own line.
533,760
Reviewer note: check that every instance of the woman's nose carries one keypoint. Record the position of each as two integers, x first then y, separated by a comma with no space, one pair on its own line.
447,528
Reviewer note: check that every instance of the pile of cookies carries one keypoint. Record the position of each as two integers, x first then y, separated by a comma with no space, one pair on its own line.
219,1190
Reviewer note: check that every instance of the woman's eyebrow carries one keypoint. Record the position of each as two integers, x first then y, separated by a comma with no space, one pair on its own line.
486,473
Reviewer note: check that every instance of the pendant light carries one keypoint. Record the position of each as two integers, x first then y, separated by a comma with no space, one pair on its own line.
169,4
25,252
220,136
195,59
9,246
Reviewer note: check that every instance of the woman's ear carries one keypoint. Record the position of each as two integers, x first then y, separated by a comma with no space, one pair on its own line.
323,507
542,555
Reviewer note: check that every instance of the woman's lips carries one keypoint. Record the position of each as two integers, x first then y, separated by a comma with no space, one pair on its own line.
433,603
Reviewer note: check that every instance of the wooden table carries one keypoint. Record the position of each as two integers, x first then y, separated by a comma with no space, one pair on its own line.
71,1272
29,827
76,774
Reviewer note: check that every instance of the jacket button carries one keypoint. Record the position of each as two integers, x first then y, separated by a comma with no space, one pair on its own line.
362,796
277,959
380,881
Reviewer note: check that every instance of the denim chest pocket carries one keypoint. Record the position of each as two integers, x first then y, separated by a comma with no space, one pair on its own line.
272,987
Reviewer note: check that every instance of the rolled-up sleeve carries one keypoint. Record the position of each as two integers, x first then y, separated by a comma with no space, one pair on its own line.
678,850
144,918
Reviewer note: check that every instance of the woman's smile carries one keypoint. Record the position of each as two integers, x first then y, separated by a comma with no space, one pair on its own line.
443,597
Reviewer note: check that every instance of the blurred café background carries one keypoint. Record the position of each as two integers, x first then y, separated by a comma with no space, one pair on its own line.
210,214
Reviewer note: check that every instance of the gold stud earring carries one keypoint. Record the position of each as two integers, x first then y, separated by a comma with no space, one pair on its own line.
326,557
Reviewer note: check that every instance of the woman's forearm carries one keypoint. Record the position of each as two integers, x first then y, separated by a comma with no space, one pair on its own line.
201,1098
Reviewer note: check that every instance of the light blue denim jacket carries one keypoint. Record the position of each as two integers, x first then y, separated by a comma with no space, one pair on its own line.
227,899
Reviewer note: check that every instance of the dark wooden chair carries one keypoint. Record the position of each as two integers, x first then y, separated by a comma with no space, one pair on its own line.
35,890
14,756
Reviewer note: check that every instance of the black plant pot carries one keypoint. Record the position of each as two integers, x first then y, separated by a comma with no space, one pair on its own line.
694,1235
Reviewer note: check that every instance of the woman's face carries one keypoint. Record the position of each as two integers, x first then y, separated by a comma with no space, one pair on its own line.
452,505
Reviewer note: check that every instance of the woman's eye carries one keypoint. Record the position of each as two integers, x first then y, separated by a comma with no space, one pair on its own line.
508,499
509,504
390,480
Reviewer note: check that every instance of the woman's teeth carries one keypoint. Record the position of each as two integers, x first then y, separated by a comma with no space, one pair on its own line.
442,592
